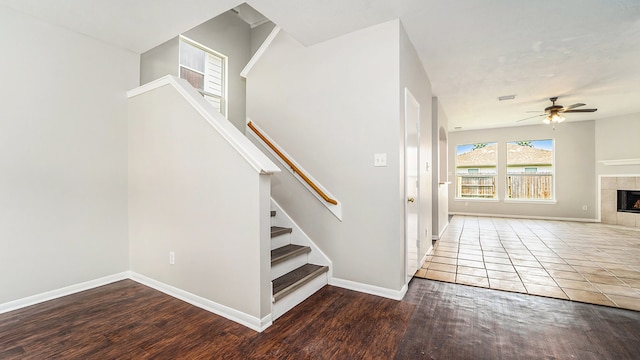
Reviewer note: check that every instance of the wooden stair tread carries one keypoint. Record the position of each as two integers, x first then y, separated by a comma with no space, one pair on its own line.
286,252
293,280
278,230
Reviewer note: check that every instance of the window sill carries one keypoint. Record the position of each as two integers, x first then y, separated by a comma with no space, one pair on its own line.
477,199
531,201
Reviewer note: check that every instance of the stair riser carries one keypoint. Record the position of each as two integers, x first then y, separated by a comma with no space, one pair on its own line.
299,276
299,295
298,236
288,265
280,241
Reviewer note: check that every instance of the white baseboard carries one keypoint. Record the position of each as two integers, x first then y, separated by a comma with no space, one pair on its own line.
58,293
370,289
437,237
525,217
247,320
288,302
426,255
218,309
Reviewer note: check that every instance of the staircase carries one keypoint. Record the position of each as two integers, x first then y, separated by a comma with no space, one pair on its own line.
293,278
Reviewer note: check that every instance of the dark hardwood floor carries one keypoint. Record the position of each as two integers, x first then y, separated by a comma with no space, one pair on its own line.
126,320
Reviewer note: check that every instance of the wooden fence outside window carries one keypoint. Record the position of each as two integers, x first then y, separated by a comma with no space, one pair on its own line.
535,186
479,186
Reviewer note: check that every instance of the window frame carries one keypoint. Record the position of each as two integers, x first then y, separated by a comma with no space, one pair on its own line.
496,197
224,101
553,198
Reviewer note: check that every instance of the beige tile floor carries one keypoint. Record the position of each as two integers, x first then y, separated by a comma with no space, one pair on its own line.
586,262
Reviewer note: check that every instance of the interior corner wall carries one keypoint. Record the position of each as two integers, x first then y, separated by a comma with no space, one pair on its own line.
226,34
160,61
63,154
575,173
415,79
332,106
259,34
617,139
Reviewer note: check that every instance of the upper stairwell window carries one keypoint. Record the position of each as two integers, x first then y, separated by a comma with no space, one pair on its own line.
205,70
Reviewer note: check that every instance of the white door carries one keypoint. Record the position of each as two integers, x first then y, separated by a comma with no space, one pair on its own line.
412,183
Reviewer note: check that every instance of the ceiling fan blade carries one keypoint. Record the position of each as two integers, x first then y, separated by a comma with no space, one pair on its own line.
581,110
572,107
535,111
531,117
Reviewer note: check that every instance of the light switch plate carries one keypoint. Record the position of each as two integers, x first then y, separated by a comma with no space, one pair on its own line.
380,159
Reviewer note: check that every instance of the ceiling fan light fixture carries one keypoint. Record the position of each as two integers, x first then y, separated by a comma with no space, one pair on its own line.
553,113
554,118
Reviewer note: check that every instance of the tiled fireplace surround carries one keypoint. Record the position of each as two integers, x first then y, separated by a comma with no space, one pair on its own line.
609,185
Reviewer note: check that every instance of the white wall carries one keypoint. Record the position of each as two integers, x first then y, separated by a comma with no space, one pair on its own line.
259,34
618,139
332,106
192,193
575,176
226,34
414,78
440,186
63,156
160,61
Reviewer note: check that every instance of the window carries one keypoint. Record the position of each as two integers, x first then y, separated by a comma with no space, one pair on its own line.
205,70
476,166
530,170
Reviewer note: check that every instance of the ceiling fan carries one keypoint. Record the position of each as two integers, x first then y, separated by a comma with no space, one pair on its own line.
553,112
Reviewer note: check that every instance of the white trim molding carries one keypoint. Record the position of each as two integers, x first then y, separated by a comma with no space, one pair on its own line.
370,289
437,237
259,161
261,50
524,217
247,320
195,300
58,293
620,162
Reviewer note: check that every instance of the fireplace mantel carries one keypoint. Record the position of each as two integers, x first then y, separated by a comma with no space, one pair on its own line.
619,162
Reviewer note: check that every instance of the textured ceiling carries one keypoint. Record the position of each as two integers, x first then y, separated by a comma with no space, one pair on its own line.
473,50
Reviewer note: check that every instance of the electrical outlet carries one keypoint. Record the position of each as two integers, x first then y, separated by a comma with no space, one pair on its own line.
172,258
